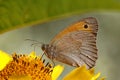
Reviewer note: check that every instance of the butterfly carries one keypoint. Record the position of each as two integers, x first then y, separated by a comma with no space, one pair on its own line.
75,45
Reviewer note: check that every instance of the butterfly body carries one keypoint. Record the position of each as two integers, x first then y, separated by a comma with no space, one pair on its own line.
75,45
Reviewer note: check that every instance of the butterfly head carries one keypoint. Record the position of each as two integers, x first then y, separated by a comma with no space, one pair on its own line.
48,50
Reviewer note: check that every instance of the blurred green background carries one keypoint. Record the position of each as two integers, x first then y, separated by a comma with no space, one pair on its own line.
18,13
41,20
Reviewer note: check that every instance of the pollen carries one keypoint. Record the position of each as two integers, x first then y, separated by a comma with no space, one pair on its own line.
26,66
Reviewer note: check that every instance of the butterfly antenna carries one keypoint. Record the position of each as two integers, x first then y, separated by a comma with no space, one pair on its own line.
34,41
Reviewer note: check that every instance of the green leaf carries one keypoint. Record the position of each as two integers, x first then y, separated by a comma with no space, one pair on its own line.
19,13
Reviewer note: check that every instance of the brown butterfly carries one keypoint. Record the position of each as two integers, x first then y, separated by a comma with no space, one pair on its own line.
75,45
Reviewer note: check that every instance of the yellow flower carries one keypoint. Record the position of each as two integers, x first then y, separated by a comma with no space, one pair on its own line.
24,67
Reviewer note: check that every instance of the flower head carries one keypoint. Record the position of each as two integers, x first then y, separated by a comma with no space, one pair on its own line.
25,67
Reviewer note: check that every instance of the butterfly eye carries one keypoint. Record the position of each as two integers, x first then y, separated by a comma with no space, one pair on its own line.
85,26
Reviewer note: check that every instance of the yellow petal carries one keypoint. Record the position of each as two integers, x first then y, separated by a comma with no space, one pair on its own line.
80,73
57,71
4,59
32,55
95,76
